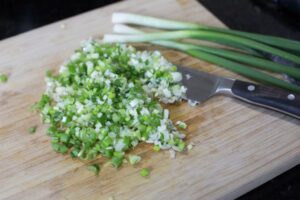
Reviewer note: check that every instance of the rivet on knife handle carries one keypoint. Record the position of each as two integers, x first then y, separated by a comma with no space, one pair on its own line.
269,97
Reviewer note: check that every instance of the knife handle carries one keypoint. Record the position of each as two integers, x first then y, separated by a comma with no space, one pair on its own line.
268,97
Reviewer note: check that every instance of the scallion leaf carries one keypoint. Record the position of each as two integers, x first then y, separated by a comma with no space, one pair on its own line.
128,18
226,58
221,38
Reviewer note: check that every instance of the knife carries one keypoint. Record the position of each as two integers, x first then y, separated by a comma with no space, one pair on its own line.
201,86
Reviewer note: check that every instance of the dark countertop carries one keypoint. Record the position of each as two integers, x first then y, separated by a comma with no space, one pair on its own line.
259,16
263,16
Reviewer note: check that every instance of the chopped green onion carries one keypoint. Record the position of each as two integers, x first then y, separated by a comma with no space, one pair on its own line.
3,78
181,146
61,148
134,159
49,73
125,161
32,129
95,168
172,153
116,162
190,146
117,159
145,172
156,148
181,124
105,101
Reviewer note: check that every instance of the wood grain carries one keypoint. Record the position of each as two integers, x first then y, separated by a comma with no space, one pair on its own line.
238,146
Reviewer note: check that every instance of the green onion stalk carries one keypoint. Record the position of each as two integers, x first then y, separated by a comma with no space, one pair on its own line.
233,55
128,18
217,56
211,36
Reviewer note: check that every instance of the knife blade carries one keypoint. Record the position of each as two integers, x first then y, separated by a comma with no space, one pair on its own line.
202,86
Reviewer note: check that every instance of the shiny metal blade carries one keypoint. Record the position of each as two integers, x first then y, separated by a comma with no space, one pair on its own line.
201,85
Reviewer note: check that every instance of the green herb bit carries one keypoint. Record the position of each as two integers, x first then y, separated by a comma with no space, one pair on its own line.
190,146
94,168
117,159
181,124
181,146
61,148
156,148
49,73
134,159
145,172
3,78
32,129
33,107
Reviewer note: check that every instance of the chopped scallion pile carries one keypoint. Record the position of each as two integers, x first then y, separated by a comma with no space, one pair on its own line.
105,101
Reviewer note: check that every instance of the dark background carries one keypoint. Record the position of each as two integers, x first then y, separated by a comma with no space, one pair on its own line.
260,16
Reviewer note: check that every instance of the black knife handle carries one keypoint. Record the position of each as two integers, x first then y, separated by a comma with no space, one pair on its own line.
269,97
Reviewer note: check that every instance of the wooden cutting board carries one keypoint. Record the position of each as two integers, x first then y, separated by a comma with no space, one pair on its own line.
238,146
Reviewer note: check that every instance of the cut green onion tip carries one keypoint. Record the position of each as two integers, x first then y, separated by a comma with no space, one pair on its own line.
134,159
32,129
190,146
156,148
181,124
95,168
3,78
145,172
